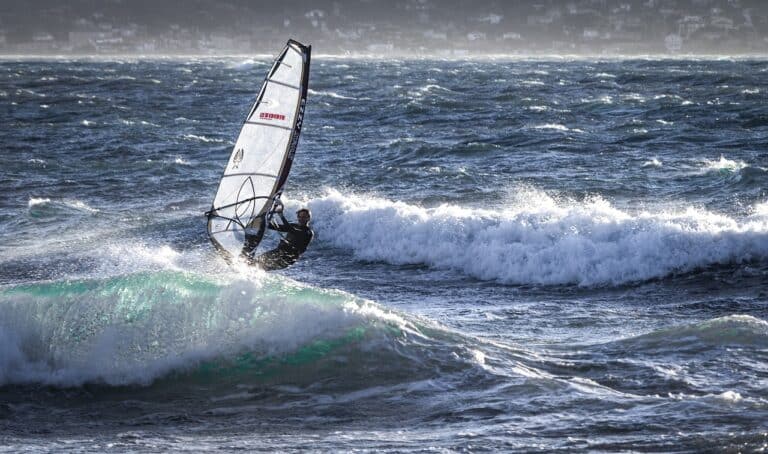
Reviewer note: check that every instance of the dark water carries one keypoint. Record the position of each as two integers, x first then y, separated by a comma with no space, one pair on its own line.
509,255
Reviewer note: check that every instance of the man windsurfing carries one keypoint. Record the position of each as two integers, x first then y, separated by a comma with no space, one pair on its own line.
295,241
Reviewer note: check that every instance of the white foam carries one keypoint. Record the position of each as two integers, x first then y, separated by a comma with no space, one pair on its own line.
724,164
398,141
329,94
79,205
433,87
478,356
202,138
37,201
667,96
668,371
655,162
760,209
730,396
422,91
634,97
588,386
557,127
552,126
185,120
537,239
69,203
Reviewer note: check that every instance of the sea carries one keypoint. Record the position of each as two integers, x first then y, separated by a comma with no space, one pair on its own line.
510,255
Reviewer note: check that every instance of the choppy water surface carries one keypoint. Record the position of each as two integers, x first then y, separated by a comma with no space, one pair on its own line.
509,255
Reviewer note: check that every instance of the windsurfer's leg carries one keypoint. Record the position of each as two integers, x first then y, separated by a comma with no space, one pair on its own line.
250,244
254,232
271,260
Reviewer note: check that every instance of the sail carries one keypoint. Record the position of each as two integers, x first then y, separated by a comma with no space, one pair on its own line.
261,159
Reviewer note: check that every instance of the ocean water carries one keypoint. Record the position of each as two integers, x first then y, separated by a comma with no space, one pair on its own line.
510,255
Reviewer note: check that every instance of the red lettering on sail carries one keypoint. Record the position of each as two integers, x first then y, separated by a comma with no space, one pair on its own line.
271,116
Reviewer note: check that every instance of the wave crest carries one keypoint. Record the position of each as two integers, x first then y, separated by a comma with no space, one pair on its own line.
540,240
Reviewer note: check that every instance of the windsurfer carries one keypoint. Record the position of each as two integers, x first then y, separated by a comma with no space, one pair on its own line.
292,245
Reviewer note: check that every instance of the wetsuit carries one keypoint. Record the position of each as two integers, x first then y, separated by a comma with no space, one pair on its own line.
295,242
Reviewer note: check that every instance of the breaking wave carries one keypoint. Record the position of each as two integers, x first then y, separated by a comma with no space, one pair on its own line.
135,328
540,240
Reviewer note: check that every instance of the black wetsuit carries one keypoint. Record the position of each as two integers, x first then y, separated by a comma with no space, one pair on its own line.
295,242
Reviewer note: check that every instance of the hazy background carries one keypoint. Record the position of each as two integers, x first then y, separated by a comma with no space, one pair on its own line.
372,27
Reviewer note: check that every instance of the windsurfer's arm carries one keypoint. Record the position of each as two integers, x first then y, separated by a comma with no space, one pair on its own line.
285,226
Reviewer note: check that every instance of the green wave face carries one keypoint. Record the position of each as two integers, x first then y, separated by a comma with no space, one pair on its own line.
134,328
169,326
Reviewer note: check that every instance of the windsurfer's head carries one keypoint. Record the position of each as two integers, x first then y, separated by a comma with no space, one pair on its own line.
303,216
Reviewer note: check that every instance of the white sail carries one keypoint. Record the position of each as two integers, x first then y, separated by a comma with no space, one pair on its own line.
261,159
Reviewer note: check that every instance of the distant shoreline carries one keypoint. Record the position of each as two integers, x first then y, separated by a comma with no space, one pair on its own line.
363,56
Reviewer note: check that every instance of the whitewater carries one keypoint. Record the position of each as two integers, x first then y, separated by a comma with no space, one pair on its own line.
509,255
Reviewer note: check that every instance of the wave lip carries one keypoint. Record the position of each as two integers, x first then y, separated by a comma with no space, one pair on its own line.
541,240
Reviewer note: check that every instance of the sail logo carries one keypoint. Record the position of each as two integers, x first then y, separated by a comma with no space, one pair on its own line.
237,158
271,116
